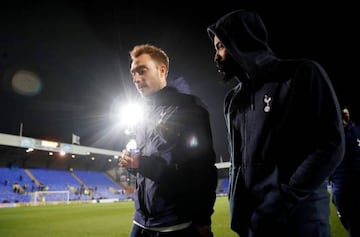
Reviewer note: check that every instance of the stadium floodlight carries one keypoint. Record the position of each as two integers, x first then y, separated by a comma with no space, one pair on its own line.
131,115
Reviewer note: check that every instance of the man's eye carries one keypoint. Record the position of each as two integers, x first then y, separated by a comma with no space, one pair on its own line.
142,71
139,72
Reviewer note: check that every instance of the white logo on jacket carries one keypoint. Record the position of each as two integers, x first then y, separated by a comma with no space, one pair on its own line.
267,100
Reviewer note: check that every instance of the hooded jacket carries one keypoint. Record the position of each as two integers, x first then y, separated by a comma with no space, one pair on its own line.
177,178
284,123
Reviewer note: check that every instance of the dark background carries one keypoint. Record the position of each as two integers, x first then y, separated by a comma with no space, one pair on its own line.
79,51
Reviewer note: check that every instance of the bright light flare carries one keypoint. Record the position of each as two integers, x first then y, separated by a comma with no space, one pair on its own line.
131,114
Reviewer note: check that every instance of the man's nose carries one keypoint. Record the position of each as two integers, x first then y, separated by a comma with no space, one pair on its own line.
136,78
217,57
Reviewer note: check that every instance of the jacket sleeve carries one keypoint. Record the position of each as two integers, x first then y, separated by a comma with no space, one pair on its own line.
321,120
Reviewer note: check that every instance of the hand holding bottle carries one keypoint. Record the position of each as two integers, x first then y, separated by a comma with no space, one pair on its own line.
130,156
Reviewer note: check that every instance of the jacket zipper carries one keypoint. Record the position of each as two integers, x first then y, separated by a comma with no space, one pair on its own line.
244,141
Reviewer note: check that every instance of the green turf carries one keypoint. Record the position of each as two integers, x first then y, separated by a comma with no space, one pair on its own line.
99,220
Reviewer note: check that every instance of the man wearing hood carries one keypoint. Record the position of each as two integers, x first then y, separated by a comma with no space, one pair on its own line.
284,130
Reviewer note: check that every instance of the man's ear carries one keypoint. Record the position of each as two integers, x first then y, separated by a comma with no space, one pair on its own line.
163,69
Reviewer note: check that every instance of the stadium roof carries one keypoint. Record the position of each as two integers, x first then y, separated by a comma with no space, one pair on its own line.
20,151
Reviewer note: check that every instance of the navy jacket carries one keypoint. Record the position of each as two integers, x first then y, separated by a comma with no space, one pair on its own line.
348,172
177,178
284,124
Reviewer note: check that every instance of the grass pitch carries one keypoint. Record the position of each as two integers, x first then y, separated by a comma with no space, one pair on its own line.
100,220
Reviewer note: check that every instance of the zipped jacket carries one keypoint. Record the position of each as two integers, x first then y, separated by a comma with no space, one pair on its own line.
177,178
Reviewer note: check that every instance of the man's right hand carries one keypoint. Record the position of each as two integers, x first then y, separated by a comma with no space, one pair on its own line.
129,161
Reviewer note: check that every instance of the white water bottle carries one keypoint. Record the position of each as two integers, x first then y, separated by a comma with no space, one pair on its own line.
131,146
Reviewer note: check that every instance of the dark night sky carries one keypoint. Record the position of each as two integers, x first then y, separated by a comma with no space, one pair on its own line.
79,50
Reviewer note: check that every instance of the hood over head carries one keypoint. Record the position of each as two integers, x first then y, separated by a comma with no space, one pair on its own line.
245,37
